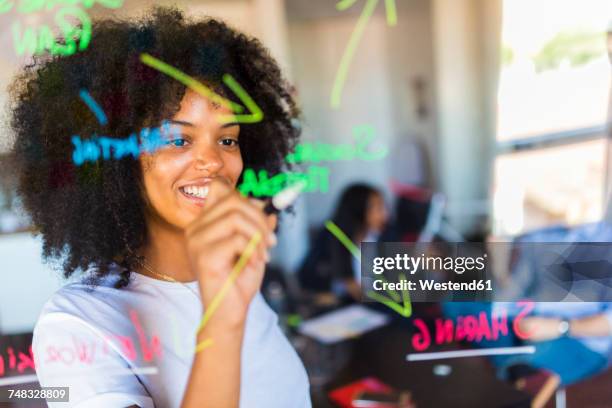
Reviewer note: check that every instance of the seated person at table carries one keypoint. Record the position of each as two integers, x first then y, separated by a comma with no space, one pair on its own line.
572,338
329,268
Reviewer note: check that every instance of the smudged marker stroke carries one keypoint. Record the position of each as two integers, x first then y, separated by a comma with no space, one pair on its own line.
93,106
349,52
404,309
344,239
255,113
214,304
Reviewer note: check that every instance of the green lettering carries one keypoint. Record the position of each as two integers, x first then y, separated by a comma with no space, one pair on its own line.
325,152
295,157
276,184
344,152
251,185
265,189
83,33
46,40
294,178
322,173
311,179
64,49
25,43
5,6
366,133
308,153
316,178
112,4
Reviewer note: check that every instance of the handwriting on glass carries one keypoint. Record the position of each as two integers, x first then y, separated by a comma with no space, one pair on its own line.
106,147
40,39
85,352
317,152
472,328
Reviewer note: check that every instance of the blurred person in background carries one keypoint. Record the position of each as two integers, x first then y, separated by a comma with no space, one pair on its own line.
158,233
571,331
329,269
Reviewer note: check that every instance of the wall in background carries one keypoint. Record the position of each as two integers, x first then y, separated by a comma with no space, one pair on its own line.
378,91
26,282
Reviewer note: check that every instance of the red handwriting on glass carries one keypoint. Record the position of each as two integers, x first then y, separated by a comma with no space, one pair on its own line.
19,362
473,328
528,307
85,352
148,352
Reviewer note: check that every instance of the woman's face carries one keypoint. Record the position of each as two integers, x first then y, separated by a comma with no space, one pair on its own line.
176,177
376,215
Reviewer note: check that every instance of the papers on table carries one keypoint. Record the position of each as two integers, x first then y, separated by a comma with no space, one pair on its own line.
345,323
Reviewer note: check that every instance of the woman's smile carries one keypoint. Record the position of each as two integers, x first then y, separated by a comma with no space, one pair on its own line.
195,192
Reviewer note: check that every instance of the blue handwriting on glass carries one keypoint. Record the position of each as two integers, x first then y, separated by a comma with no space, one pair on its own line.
112,148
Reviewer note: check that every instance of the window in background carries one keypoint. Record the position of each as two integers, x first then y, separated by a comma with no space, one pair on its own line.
542,187
554,91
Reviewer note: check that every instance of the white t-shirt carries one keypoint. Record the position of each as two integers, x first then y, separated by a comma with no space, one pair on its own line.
135,346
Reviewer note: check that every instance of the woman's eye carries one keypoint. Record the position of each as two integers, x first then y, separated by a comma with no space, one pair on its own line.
229,142
177,142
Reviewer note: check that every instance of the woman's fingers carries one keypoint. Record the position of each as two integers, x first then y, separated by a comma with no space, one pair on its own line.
253,274
234,209
272,221
226,226
232,220
232,248
229,223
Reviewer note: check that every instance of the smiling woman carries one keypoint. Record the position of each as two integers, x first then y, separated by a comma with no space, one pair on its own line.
159,230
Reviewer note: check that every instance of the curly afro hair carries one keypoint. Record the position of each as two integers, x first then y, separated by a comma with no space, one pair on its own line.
91,217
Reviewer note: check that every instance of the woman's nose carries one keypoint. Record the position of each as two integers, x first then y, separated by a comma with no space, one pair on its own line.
207,158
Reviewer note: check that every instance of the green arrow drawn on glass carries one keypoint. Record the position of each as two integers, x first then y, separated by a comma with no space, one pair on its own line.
255,113
349,52
405,307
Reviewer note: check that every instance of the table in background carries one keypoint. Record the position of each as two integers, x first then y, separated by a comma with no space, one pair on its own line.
382,354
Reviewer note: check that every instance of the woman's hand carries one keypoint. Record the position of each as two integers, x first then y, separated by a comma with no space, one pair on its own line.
215,241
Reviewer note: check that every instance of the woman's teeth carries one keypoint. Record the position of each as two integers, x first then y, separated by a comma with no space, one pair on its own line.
194,191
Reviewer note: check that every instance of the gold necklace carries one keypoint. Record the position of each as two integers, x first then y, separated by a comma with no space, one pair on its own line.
164,277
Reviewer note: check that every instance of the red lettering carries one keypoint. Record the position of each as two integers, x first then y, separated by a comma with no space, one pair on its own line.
499,326
422,340
470,325
12,359
444,331
460,334
52,354
82,353
128,347
26,361
483,327
469,328
147,351
1,365
528,307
